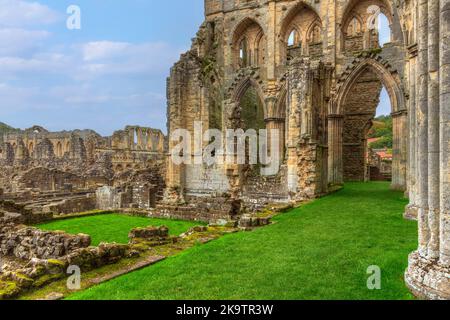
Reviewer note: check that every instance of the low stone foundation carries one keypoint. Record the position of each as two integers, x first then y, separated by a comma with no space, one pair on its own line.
74,204
427,279
151,236
411,212
28,243
249,221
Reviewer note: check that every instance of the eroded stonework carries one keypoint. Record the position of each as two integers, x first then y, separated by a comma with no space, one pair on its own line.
59,172
314,71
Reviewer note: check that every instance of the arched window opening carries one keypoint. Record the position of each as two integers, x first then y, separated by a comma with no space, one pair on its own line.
354,28
248,44
252,111
250,118
384,30
135,138
260,51
59,150
367,25
316,34
243,53
301,33
292,41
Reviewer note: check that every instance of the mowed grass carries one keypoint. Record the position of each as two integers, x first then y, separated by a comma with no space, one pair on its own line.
319,251
114,227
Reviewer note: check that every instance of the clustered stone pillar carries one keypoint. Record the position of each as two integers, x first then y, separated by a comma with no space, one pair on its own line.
444,116
399,151
335,141
428,274
276,124
412,208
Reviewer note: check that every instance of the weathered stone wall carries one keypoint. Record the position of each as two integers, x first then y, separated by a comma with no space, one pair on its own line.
108,198
74,204
83,159
60,172
298,91
27,242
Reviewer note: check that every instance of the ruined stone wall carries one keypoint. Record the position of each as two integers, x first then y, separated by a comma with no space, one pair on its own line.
268,47
27,243
42,161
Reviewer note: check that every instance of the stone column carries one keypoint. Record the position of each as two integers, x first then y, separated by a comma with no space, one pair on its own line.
271,40
335,144
428,274
411,209
422,123
399,150
277,124
433,129
444,80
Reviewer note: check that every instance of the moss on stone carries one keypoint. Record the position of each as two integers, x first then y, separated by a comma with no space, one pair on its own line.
8,289
56,263
46,279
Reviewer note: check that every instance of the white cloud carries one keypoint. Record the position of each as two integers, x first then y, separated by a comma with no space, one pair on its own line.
42,79
122,58
99,50
93,60
19,13
15,41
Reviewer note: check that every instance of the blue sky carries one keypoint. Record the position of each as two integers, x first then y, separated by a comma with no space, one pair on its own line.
109,74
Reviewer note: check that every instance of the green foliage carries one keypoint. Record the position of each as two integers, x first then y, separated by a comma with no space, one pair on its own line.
383,129
321,250
4,128
384,142
113,227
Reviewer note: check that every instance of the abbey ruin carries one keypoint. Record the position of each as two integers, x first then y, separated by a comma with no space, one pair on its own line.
313,70
61,172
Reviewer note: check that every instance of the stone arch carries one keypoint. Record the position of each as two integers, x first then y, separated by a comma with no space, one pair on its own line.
31,147
385,6
244,78
240,92
371,65
59,149
388,76
303,18
68,146
358,19
315,32
359,9
291,13
248,43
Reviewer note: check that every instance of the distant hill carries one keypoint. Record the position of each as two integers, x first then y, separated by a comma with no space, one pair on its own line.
383,130
4,128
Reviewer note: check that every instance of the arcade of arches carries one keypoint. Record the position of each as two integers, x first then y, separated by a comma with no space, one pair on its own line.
314,70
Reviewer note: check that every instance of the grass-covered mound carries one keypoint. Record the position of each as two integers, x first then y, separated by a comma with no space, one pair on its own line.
319,251
114,227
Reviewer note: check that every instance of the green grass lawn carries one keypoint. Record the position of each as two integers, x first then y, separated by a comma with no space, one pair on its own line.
114,227
319,251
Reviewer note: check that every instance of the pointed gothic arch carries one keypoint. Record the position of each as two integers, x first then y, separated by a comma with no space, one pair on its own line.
337,115
248,43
